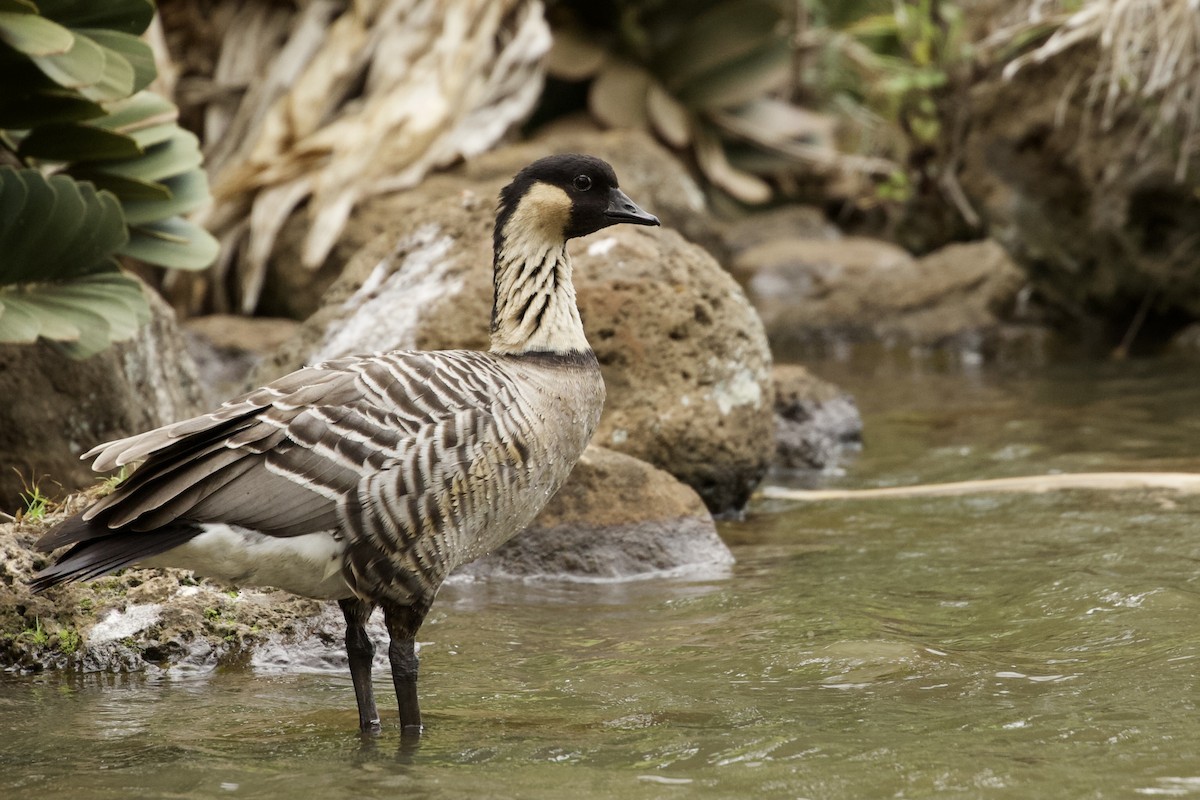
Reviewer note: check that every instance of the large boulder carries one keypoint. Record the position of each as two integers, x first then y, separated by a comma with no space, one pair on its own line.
1095,214
683,353
615,518
57,407
817,296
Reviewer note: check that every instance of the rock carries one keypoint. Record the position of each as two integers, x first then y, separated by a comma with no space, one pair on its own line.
616,518
67,406
228,347
1093,213
138,619
818,295
783,222
815,421
683,353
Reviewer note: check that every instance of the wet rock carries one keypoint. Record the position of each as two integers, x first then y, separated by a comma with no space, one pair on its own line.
683,353
137,619
616,518
1093,213
67,406
815,421
816,296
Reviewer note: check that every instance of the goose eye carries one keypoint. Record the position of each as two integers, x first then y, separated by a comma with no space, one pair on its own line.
583,183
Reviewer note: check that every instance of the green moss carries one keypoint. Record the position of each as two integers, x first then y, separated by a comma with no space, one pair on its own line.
69,641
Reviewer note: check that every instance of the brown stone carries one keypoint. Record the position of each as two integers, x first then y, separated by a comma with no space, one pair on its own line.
57,407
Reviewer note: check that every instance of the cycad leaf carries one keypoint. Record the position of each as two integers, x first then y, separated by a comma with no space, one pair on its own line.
18,6
30,105
129,16
174,243
136,53
54,227
175,156
79,67
69,141
83,316
188,192
115,81
125,189
33,35
143,110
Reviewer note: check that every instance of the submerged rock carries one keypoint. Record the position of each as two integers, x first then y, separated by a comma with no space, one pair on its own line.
57,407
815,421
616,518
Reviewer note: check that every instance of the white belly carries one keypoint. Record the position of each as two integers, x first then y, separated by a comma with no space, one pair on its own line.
309,565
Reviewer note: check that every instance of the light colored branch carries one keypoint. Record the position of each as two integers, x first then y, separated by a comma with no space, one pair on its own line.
1182,482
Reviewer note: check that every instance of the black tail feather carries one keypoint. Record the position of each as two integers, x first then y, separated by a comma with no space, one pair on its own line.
96,557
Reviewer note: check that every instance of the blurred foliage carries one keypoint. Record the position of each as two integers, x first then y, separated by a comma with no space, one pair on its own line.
92,167
756,90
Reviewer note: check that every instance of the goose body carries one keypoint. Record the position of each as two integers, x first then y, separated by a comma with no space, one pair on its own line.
368,479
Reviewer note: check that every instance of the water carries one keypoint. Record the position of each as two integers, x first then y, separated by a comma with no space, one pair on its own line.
1006,646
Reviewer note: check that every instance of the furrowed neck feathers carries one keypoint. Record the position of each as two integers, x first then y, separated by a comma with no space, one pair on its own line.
534,307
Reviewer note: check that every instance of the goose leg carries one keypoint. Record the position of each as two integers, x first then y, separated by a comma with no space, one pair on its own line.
403,622
361,653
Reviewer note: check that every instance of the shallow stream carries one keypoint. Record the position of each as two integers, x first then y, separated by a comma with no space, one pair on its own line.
994,646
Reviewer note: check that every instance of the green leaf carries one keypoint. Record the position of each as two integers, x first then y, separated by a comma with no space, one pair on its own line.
80,66
33,35
69,141
174,243
116,79
54,227
82,317
32,106
124,188
132,49
177,155
129,16
18,6
188,192
143,110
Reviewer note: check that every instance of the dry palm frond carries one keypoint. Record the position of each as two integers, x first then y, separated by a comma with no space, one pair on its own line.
1149,53
410,84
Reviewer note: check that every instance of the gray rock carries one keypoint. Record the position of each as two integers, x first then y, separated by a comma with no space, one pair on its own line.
67,406
1095,214
616,518
227,348
816,296
816,423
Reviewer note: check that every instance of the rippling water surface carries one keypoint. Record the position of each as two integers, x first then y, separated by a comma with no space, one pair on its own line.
1004,646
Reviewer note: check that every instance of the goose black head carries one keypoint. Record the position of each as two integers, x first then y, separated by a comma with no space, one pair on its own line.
564,196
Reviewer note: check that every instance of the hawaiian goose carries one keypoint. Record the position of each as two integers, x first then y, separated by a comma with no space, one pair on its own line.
368,479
